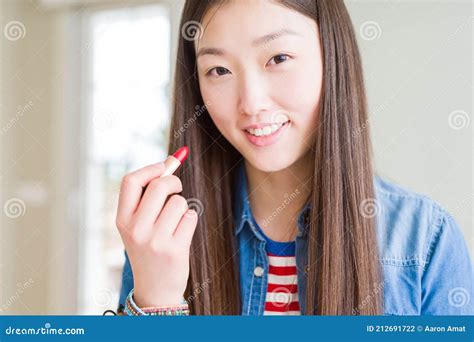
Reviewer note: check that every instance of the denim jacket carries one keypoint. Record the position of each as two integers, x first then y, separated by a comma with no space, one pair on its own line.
426,265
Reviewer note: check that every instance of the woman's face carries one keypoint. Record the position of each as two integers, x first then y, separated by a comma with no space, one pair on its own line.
262,93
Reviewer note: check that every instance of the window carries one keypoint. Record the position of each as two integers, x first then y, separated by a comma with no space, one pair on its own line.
127,90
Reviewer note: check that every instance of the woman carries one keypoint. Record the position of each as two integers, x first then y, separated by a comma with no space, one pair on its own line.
269,96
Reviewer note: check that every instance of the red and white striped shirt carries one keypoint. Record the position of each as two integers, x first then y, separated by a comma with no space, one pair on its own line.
282,289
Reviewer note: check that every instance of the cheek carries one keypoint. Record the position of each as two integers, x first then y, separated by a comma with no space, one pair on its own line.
299,93
221,106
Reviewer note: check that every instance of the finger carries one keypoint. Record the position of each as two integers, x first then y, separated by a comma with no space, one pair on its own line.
154,199
132,187
170,216
187,226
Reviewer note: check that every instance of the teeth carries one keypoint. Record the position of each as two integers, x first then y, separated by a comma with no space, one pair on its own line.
267,130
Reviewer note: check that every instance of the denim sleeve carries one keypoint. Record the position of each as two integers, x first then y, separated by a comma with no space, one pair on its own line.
448,279
127,281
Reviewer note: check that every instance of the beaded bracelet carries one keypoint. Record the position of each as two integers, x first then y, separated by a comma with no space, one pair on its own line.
132,309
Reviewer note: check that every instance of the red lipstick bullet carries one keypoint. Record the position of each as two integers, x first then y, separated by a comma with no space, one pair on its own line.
174,161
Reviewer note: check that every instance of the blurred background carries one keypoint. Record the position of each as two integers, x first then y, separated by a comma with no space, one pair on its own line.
85,98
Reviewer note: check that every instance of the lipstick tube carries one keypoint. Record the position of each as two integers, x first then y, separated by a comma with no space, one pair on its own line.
175,160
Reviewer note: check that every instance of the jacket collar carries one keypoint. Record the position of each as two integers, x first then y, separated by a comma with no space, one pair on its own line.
243,212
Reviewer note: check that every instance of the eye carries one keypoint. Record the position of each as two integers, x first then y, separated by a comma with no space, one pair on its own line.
219,70
279,58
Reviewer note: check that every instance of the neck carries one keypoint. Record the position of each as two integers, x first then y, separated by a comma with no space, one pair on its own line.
276,198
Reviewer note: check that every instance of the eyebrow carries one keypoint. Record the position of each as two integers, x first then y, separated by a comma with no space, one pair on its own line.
263,40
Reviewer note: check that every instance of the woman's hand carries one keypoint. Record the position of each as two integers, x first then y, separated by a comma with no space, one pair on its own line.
157,235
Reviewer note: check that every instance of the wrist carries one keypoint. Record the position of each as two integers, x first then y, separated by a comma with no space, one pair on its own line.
144,299
132,309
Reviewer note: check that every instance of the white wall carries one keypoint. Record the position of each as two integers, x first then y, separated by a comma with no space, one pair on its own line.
418,69
26,156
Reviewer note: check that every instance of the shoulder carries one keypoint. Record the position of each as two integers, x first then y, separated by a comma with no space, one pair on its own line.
419,242
408,224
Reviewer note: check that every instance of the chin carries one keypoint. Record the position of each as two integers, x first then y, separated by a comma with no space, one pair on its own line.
267,159
269,164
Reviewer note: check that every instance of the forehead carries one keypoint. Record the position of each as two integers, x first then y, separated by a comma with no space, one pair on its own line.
241,22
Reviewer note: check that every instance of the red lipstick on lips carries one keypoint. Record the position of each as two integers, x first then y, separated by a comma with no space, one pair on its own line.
175,160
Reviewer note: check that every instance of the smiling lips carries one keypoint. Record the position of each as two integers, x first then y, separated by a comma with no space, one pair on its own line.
264,129
265,134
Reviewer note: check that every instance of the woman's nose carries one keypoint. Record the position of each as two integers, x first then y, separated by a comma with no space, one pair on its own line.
254,94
